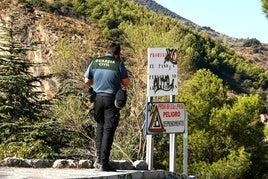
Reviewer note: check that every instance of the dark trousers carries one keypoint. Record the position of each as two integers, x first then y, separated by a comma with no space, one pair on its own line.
107,118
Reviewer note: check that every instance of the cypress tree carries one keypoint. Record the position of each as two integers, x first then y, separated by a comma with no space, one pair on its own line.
23,106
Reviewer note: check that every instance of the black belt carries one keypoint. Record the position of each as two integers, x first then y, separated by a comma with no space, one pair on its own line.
105,94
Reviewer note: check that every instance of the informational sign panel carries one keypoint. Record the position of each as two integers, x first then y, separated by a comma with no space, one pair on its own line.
162,72
165,117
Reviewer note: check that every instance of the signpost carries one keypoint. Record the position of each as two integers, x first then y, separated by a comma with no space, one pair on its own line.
164,117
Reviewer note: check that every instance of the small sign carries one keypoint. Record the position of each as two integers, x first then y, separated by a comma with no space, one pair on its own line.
165,117
162,72
156,122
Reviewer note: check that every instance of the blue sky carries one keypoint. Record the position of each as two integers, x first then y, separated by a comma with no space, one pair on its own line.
235,18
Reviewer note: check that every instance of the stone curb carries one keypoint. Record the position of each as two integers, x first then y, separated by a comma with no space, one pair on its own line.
69,163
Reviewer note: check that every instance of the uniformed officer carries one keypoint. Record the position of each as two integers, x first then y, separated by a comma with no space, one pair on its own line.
107,74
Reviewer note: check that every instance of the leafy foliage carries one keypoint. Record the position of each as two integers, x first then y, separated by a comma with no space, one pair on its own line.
233,166
218,126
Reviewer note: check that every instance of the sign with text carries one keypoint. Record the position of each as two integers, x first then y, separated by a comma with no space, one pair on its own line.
162,72
165,117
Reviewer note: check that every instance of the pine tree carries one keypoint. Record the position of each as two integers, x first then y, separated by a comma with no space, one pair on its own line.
265,7
22,105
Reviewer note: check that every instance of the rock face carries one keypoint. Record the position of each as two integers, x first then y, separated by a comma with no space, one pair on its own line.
47,30
34,30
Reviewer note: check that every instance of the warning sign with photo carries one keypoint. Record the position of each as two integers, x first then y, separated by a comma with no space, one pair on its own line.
165,117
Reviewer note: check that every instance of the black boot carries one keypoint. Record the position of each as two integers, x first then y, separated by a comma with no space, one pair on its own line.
107,168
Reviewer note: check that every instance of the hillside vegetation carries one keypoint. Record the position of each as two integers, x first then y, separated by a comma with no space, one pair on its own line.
253,49
223,83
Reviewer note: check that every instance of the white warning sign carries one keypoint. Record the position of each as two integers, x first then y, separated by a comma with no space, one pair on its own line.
162,78
165,117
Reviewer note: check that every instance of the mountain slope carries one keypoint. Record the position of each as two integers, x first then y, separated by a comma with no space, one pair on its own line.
152,5
68,24
259,57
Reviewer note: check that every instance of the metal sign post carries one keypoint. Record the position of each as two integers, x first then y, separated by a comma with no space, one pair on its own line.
149,147
172,147
172,152
149,151
185,147
163,117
